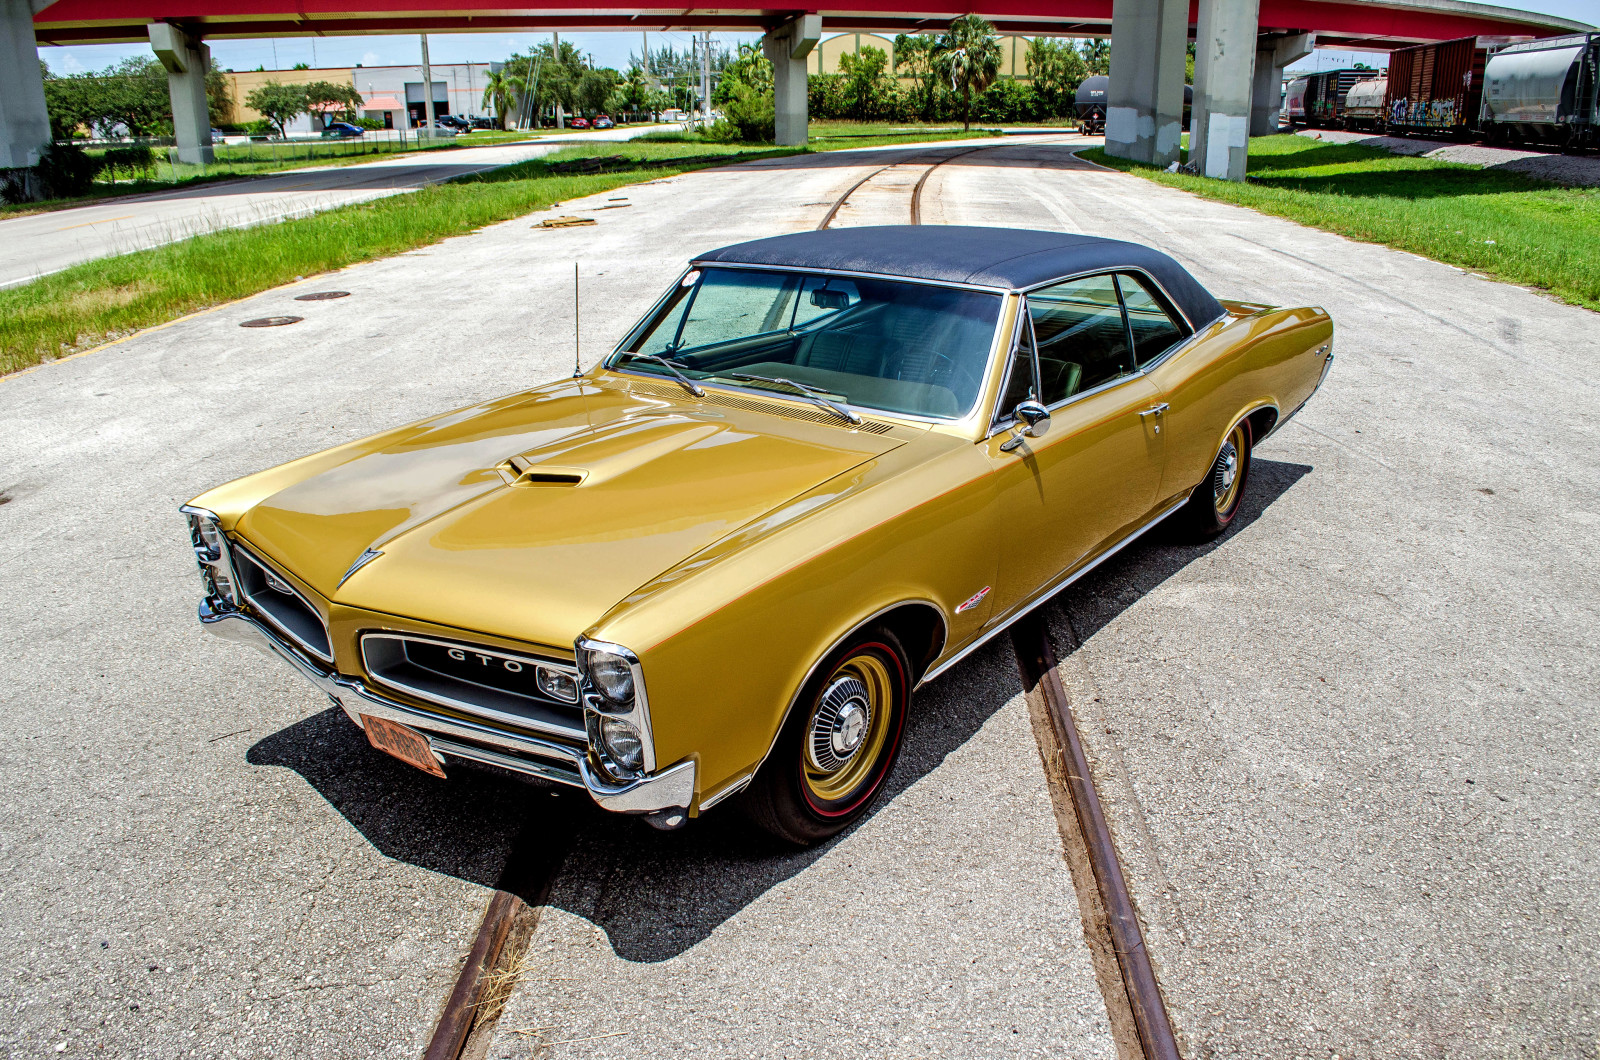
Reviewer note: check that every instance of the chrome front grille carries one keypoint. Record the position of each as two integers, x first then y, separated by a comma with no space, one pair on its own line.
512,687
274,599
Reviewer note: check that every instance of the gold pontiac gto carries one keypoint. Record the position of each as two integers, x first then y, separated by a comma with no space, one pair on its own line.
820,471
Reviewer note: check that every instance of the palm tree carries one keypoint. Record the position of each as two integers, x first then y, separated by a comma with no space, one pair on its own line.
497,94
968,53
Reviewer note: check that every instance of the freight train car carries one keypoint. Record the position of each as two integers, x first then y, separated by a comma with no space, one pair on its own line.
1545,91
1324,99
1363,104
1090,104
1435,88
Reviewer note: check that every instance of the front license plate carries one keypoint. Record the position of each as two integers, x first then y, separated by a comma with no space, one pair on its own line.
408,745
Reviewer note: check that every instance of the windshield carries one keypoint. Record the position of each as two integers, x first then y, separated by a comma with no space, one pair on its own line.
876,343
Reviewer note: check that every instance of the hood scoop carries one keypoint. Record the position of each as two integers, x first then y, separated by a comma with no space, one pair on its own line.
524,471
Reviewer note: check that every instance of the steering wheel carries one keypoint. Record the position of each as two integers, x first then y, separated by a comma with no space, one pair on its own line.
950,374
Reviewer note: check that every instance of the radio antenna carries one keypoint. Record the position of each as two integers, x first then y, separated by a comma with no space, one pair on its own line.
577,363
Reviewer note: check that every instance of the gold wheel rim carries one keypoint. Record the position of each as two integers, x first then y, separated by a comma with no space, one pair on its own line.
847,728
1227,473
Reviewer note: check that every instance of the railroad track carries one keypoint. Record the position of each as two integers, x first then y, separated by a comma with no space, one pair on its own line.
1133,997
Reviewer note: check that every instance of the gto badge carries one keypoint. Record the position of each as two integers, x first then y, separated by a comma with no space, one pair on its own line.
511,665
974,600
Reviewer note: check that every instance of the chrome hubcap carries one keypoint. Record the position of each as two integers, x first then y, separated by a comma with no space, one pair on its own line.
1227,470
840,725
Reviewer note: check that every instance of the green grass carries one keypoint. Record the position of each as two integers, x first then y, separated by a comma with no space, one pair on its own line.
1504,225
89,304
241,160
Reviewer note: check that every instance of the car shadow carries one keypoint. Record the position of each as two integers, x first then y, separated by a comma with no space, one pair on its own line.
657,894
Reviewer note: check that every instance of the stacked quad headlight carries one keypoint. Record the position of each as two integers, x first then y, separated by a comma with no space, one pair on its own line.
615,711
211,553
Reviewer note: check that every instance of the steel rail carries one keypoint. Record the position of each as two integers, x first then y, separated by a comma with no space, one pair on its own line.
1037,660
523,887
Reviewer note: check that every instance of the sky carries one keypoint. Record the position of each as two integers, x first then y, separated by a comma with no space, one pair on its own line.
608,49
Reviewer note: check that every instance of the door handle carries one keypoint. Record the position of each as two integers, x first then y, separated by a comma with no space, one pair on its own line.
1155,410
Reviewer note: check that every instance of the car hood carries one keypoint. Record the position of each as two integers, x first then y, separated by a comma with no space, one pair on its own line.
531,517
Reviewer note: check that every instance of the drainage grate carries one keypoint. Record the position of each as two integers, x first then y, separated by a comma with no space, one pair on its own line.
321,296
270,322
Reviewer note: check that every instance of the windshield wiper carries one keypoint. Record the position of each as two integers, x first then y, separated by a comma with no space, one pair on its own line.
815,395
671,366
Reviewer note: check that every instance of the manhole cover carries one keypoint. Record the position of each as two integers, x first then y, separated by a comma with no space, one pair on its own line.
321,296
270,322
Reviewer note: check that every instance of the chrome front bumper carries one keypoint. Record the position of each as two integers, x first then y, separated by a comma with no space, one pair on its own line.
665,796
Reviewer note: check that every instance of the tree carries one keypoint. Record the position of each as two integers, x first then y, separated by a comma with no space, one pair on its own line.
745,93
913,57
1097,55
322,95
870,90
968,56
498,93
278,103
594,89
1057,70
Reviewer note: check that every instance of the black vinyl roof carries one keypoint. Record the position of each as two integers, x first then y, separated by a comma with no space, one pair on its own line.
1010,258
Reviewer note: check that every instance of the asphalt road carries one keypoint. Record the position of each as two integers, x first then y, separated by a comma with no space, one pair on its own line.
35,245
201,857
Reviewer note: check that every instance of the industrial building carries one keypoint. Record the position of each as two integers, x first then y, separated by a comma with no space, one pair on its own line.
393,94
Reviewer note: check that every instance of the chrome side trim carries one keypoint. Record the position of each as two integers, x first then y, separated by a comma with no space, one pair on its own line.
1041,597
728,790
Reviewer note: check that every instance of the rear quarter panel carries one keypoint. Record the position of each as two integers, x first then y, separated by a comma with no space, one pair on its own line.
1247,361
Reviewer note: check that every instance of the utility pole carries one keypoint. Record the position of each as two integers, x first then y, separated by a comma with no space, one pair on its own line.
705,79
561,112
644,33
427,91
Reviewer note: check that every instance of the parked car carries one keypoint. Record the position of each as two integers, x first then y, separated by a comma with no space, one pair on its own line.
722,560
482,123
579,123
342,130
454,121
604,122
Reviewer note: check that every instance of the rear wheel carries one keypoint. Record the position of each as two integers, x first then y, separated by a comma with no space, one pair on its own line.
1215,502
838,745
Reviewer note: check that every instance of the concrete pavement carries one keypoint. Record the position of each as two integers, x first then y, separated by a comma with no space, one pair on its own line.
35,245
1283,724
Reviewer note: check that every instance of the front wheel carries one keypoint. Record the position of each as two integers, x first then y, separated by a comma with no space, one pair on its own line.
1215,502
837,747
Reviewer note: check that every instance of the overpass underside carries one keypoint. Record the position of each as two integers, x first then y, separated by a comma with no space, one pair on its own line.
1242,47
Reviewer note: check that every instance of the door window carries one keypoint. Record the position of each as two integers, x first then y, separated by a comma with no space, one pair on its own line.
1154,330
1081,334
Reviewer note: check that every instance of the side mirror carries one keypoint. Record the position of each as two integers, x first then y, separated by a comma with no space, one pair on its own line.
1033,420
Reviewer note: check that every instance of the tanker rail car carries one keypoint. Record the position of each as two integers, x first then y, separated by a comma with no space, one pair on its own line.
1543,92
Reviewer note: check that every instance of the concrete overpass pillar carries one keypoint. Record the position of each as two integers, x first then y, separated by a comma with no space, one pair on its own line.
187,61
1266,97
786,47
24,120
1224,72
1144,106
